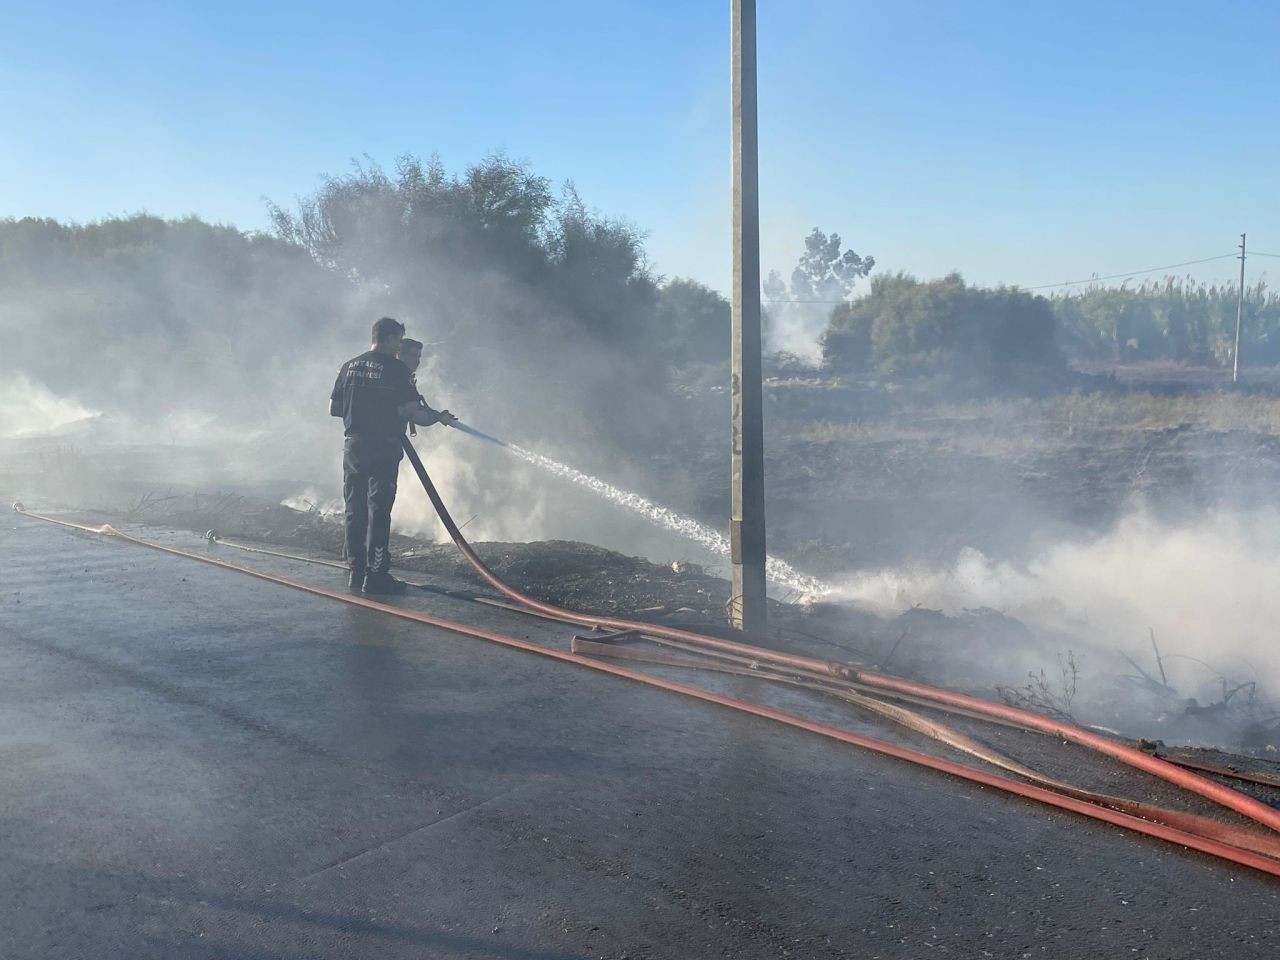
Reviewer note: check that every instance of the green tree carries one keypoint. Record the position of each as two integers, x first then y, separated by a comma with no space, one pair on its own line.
494,241
521,291
1170,319
797,310
903,325
823,273
692,322
159,316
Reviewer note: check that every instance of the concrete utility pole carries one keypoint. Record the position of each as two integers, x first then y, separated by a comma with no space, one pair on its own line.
1235,359
746,521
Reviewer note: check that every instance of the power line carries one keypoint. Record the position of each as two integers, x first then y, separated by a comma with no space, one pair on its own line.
804,301
1134,273
1072,283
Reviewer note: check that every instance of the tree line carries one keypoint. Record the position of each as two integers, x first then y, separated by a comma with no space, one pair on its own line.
1172,319
543,310
907,325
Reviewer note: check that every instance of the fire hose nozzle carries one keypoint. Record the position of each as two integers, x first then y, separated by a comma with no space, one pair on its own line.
211,535
479,434
18,507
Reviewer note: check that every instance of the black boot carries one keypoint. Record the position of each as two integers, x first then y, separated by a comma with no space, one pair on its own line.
383,584
356,581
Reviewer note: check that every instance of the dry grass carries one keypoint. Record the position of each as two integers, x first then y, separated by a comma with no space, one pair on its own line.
1010,427
1150,411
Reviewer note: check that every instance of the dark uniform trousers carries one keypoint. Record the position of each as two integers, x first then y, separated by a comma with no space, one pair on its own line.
369,492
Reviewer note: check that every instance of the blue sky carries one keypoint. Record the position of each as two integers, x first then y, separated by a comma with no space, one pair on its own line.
1016,142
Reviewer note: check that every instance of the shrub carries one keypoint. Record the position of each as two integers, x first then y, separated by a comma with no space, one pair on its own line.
904,325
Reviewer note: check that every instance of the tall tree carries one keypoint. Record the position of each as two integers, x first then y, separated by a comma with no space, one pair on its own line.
797,311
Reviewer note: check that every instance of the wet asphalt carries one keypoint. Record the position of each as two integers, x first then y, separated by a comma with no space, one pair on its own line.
194,763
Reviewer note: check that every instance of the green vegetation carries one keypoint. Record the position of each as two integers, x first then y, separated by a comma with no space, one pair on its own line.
692,323
520,292
491,253
796,310
524,291
1177,320
904,325
150,316
823,273
907,326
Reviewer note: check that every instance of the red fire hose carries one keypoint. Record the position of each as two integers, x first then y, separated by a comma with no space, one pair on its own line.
1224,795
1198,833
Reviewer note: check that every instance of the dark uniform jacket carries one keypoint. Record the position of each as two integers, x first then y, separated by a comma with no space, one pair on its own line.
368,393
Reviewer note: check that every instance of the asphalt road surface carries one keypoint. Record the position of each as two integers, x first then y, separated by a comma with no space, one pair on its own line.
199,764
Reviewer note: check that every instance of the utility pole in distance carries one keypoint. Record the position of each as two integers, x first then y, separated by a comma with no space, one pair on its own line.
746,522
1235,359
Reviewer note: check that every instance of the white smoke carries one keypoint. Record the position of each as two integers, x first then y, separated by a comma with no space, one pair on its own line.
1206,588
29,409
489,500
797,328
312,499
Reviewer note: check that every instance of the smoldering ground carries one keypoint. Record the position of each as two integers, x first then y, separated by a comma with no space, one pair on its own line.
1099,522
1147,603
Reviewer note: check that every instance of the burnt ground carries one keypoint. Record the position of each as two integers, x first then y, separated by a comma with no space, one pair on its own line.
576,575
961,651
864,475
980,651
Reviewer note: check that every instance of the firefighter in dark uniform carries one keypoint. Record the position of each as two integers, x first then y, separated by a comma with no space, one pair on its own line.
375,396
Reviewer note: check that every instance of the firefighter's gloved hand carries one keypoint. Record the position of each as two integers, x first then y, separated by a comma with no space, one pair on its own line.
446,418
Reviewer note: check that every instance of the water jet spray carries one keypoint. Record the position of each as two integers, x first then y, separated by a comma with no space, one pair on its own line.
778,571
478,434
